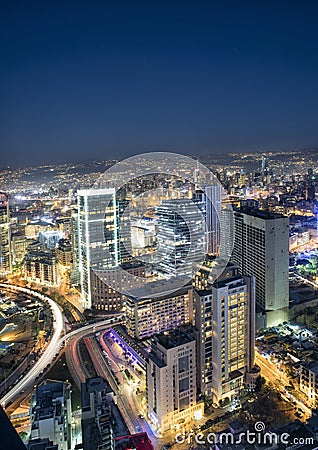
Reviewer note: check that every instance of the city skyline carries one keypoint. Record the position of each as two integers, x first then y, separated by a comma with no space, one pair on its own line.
158,289
159,225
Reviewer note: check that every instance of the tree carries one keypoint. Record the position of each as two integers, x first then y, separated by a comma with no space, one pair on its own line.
259,383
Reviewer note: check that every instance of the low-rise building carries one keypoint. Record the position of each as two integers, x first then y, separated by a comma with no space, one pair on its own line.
308,383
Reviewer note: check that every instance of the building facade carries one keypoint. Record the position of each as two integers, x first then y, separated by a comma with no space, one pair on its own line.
158,306
211,199
19,246
64,253
309,382
108,285
261,249
171,381
225,323
41,266
5,246
97,430
180,233
104,241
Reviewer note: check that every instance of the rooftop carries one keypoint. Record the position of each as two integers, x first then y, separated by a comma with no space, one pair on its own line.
175,338
259,213
232,282
160,289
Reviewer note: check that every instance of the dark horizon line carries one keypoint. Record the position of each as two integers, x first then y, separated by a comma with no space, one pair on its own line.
199,157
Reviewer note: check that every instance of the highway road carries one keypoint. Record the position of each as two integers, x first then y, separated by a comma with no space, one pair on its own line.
128,402
57,341
49,353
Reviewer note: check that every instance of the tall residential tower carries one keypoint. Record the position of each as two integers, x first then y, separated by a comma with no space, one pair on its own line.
261,249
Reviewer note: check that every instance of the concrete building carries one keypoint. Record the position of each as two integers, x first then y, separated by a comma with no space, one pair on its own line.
65,226
41,266
64,253
261,249
19,246
105,298
101,420
51,414
5,238
225,323
158,306
171,380
42,444
309,382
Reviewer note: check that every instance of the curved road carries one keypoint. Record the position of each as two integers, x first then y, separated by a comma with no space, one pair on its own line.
51,350
54,345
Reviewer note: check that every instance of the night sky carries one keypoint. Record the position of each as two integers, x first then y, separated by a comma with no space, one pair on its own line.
91,80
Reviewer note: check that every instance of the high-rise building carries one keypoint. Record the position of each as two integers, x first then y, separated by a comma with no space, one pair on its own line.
171,380
103,235
261,249
5,247
51,414
264,167
213,208
180,235
158,306
75,278
225,322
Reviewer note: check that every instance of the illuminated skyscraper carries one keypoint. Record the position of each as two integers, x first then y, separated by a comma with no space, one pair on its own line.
97,235
225,320
213,208
5,247
261,249
180,232
103,235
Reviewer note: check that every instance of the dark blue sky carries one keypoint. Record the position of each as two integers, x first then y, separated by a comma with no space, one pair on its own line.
84,80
